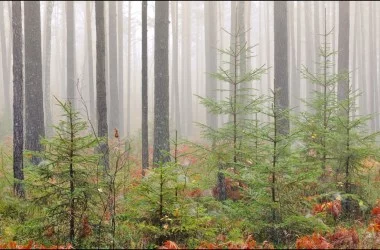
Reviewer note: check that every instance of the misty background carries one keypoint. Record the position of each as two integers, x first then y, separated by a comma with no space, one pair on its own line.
305,23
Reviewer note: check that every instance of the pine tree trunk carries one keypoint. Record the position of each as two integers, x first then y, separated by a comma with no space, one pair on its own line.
233,42
47,58
299,52
281,64
211,56
343,48
34,105
129,72
4,62
144,90
373,62
308,47
112,53
186,70
243,57
101,97
176,106
161,82
71,58
18,99
295,88
90,62
120,64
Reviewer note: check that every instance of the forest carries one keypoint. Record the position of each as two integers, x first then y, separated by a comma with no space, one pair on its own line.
189,125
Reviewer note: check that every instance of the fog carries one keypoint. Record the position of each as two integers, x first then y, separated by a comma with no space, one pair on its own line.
305,23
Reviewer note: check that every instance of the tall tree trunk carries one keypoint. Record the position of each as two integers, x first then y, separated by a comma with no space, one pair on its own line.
362,64
129,72
211,56
281,64
186,70
242,44
317,42
161,82
90,61
375,88
176,113
333,43
18,100
63,49
101,92
268,43
371,71
34,105
4,62
112,53
355,49
316,35
220,58
343,49
144,89
71,56
120,63
233,41
308,47
47,57
295,88
299,52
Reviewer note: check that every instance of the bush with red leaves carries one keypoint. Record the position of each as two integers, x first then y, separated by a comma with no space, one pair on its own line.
344,238
333,207
169,245
249,243
374,226
31,245
233,187
314,241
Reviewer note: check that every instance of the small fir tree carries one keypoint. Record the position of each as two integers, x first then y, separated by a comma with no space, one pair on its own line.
64,184
230,145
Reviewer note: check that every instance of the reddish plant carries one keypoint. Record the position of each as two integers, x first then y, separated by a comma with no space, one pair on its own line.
30,245
193,193
374,226
346,238
333,207
169,245
233,187
249,243
86,228
314,241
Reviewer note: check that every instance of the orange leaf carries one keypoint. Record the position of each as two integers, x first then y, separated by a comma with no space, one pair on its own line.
169,245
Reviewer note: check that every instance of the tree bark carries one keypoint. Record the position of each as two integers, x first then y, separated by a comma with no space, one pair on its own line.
120,64
211,56
295,88
47,58
343,48
101,93
309,55
4,62
71,57
281,64
299,52
34,105
186,70
112,53
161,82
144,89
176,113
129,72
90,61
18,100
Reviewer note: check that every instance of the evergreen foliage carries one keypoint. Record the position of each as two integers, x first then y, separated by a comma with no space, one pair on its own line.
64,183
